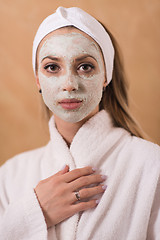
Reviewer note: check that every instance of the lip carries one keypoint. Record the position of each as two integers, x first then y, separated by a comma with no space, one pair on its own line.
70,104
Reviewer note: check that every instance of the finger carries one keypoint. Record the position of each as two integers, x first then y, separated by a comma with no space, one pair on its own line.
83,206
86,180
64,170
90,192
76,173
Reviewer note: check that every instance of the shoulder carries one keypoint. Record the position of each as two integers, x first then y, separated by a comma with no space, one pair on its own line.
143,151
145,146
23,161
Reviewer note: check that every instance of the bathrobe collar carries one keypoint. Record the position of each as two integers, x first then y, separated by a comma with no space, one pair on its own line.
96,137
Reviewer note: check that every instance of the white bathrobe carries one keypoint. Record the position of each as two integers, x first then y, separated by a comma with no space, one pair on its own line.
128,210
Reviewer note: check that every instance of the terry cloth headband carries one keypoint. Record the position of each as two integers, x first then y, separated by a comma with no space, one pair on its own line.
80,19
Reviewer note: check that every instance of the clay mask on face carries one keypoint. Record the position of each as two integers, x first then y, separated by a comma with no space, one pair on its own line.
68,91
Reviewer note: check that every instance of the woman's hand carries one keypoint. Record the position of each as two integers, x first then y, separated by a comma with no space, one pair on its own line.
56,194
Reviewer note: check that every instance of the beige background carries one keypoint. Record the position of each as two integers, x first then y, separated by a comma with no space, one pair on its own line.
135,24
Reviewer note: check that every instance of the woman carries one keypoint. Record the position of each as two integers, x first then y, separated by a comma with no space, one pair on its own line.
109,185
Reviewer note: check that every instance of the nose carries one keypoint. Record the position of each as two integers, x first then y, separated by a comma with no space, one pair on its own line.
70,84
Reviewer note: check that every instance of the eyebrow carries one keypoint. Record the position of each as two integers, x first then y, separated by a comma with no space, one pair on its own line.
77,59
85,56
52,58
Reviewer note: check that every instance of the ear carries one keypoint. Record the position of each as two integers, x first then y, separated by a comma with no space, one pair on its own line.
37,82
105,82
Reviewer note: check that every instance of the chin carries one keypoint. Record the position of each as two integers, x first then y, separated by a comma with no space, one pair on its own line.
72,118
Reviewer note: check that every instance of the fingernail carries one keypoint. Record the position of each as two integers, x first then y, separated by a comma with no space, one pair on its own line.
104,187
63,167
94,169
104,177
97,201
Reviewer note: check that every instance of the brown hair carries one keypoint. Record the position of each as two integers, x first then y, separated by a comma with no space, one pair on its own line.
115,97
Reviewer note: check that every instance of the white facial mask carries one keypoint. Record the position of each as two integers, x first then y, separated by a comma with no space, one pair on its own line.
86,88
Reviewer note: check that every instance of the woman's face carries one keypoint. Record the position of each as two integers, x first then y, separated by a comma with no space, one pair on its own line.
71,74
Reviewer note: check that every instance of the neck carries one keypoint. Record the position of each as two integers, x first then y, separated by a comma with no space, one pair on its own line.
68,130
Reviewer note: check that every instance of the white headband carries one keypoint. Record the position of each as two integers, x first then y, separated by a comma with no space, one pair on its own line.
80,19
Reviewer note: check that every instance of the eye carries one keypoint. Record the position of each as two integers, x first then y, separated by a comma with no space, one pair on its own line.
86,68
52,68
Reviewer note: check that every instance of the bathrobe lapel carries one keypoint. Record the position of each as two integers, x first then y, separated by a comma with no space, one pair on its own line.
57,154
95,140
112,151
90,145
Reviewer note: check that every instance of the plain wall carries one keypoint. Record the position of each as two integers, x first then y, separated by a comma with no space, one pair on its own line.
135,25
